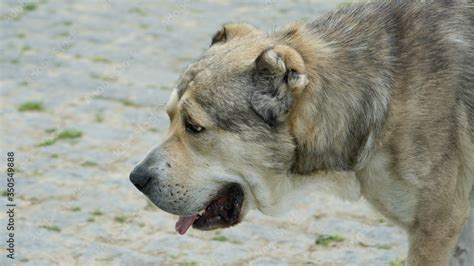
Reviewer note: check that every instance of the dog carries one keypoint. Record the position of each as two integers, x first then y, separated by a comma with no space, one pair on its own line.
373,98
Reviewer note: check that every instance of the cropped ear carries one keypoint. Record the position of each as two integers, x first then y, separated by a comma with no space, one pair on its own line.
233,30
280,75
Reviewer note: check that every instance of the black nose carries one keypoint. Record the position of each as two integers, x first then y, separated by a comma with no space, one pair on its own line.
140,179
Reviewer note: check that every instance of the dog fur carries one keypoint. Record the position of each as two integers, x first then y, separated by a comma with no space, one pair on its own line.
374,98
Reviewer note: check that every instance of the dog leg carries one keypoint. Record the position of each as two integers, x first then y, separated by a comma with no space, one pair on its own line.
464,252
435,232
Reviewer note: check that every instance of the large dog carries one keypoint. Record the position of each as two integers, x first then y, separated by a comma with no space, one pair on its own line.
380,94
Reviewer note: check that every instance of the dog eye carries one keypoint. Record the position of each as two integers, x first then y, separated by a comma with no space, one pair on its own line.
192,128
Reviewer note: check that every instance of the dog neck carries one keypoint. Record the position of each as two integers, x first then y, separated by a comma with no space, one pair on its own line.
339,116
287,190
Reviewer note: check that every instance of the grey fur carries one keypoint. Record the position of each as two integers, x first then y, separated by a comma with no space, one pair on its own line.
383,90
271,98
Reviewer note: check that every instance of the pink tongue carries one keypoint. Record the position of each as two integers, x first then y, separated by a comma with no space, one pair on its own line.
183,224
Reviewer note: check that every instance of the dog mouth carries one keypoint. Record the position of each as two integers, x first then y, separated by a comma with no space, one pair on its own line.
223,211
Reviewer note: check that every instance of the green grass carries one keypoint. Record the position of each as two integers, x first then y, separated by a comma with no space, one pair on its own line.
120,219
31,107
90,220
67,23
100,59
63,34
21,35
30,7
327,240
137,11
379,246
125,102
15,61
63,135
398,262
283,10
109,78
34,200
69,134
26,48
97,213
99,117
5,193
50,130
220,238
383,246
24,260
54,156
75,209
54,228
45,143
319,216
89,164
106,78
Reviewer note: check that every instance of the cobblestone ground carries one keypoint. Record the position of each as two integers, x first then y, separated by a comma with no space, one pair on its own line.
83,85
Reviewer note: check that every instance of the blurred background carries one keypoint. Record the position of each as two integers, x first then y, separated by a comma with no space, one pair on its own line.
83,86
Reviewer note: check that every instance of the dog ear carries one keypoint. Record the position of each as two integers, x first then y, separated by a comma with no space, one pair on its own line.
233,30
280,75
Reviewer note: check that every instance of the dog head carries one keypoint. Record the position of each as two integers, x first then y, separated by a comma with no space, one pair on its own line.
229,147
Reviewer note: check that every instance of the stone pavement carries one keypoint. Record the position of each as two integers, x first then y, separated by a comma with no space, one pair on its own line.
82,87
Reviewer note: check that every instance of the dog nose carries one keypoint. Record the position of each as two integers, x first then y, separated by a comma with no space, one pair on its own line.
140,179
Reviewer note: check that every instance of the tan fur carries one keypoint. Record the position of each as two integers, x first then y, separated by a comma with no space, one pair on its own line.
373,99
